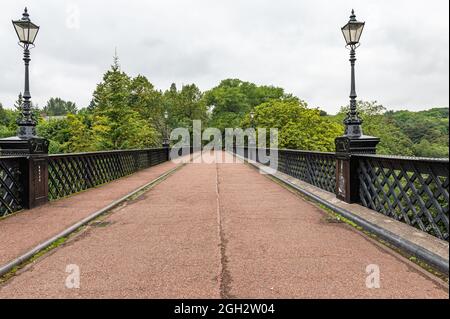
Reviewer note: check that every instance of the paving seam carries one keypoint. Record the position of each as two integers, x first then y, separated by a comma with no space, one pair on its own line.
32,252
224,274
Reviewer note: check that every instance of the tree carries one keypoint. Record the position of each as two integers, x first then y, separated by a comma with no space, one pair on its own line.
117,99
299,127
233,98
57,107
184,106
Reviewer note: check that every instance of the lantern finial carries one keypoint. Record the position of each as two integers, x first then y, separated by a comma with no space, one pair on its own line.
25,15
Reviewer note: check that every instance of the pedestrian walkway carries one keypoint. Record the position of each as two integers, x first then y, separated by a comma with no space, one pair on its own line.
220,231
26,229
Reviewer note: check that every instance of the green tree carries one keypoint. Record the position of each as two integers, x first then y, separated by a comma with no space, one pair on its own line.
115,100
184,106
299,126
57,107
233,98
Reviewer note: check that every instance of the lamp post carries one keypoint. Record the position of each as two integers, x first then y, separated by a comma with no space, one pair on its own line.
353,141
26,141
352,33
166,130
26,32
34,166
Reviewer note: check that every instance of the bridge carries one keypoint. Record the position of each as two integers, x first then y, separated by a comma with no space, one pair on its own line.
133,224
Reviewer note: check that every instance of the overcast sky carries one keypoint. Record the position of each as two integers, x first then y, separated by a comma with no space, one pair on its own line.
403,61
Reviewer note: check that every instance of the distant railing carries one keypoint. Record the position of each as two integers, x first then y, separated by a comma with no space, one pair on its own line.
72,173
10,184
412,190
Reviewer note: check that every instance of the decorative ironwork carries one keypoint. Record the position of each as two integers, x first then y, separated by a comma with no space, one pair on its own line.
316,168
412,190
72,173
10,185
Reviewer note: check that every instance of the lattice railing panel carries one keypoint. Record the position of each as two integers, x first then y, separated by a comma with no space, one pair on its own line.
10,185
316,168
414,191
72,173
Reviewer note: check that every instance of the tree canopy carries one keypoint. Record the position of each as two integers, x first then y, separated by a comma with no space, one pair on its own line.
129,112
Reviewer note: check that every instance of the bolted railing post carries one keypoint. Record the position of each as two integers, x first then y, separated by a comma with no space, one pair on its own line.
347,177
33,167
166,146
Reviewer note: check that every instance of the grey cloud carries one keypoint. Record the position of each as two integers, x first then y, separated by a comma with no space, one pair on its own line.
402,62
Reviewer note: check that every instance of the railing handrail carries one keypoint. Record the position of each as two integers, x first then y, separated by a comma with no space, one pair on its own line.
293,151
12,157
105,152
404,158
380,156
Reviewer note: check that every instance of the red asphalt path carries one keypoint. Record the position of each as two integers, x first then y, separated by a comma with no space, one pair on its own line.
26,229
221,231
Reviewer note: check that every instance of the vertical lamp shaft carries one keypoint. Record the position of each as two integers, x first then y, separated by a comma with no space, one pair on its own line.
27,125
353,85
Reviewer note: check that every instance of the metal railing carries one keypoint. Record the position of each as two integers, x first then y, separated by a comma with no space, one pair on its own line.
412,190
68,173
72,173
10,184
316,168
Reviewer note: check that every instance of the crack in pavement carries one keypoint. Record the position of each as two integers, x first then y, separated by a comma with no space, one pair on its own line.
224,277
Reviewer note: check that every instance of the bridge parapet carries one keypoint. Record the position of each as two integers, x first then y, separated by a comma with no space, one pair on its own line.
68,173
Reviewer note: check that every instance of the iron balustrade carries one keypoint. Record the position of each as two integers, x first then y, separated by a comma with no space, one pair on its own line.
72,173
11,186
411,190
315,168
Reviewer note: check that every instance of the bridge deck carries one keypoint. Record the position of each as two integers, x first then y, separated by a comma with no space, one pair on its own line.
221,230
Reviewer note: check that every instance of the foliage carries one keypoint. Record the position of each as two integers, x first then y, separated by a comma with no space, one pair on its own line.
128,112
233,98
125,103
428,130
184,106
299,126
57,107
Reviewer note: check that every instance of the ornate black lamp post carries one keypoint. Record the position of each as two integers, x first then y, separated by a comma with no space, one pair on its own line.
166,130
353,141
26,141
352,32
33,167
27,32
252,119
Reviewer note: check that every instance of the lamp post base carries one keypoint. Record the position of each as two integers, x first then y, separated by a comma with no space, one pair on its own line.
33,167
347,177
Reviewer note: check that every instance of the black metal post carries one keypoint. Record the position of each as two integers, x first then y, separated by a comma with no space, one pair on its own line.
27,125
166,142
352,121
